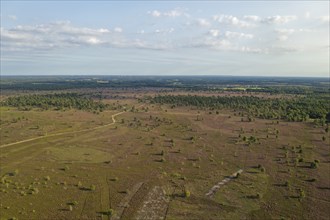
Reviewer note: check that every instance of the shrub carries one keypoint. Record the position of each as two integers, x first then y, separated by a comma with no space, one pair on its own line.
114,179
3,180
186,193
314,165
176,175
73,203
65,168
109,212
302,193
14,173
34,191
258,196
92,187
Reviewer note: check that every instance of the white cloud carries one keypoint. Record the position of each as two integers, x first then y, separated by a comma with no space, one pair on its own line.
50,36
231,20
83,40
307,14
278,19
164,31
93,41
304,30
226,45
214,32
283,34
325,19
218,44
154,13
12,17
203,22
7,35
253,50
118,30
237,35
172,13
284,49
285,31
102,30
251,18
282,37
65,35
59,27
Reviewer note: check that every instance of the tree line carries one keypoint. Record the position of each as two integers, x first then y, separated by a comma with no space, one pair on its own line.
293,109
55,101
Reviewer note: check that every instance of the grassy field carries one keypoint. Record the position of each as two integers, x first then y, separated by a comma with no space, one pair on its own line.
158,162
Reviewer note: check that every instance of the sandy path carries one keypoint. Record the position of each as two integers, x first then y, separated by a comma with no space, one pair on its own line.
154,206
217,186
68,132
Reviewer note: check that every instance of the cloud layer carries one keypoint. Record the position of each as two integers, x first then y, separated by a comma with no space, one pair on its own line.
247,33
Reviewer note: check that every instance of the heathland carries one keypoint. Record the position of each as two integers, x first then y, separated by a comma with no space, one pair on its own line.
153,147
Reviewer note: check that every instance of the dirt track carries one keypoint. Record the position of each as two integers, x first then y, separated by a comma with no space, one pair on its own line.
64,133
217,186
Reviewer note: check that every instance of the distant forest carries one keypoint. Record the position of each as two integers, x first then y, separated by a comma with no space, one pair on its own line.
273,85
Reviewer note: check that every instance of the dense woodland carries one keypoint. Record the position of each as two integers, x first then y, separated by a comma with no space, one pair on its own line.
55,101
295,109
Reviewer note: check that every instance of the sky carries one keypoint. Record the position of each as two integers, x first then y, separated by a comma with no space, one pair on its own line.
240,38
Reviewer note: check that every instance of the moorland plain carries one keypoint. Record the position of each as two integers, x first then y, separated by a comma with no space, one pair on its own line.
147,156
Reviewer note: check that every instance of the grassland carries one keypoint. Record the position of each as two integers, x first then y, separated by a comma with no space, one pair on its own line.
154,161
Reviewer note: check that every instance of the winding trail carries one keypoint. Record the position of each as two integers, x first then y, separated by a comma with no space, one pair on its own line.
68,132
217,186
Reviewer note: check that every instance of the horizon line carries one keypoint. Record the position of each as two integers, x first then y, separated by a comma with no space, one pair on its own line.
162,75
